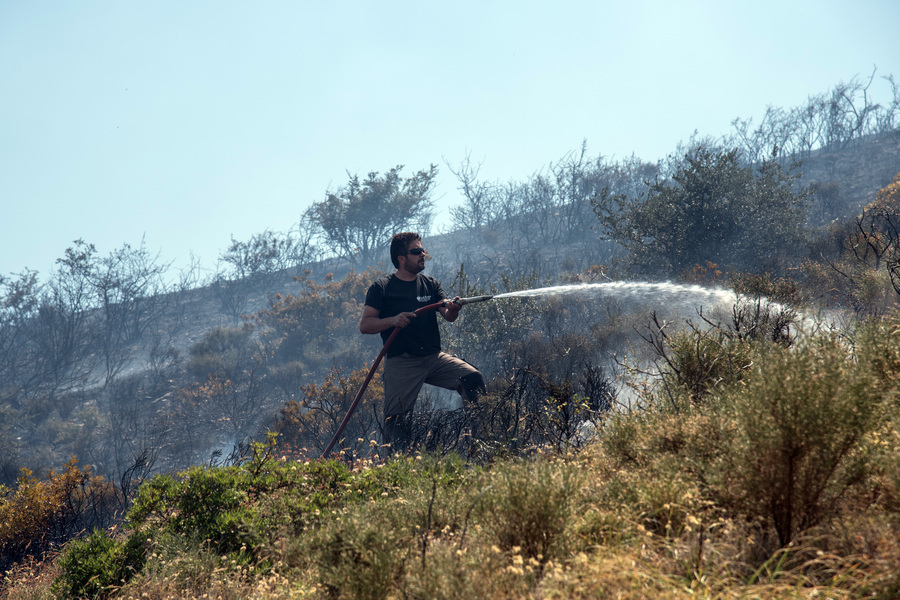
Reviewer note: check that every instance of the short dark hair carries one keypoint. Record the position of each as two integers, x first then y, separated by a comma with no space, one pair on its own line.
399,243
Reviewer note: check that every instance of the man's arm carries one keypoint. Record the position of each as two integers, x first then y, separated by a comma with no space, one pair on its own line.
370,322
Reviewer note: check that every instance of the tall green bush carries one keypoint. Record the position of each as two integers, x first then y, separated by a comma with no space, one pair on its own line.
714,207
799,423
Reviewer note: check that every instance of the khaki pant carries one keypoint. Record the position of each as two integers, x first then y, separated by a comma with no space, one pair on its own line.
405,374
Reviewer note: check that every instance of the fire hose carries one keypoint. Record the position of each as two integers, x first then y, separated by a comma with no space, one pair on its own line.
387,343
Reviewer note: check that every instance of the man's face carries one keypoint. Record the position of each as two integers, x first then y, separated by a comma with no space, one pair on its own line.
413,263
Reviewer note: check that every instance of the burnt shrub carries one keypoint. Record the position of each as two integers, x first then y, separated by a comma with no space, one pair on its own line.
40,515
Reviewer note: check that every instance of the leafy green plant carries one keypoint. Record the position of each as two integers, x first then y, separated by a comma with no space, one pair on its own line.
241,508
95,566
209,503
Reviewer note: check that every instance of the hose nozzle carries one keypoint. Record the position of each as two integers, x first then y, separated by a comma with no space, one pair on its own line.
472,299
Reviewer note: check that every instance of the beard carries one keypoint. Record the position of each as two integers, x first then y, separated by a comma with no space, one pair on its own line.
416,267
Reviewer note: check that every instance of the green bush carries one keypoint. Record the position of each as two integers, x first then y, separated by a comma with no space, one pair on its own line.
362,549
799,424
787,438
646,440
714,207
242,511
207,503
528,506
205,506
207,519
361,555
877,347
698,362
662,498
658,462
95,566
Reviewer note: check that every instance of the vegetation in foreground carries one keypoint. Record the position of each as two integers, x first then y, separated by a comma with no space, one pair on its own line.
780,480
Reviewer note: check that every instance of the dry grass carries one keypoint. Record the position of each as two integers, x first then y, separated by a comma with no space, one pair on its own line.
30,580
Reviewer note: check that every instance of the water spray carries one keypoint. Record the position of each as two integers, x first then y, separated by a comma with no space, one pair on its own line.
387,343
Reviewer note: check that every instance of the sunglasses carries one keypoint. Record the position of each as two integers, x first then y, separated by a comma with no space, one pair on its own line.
416,251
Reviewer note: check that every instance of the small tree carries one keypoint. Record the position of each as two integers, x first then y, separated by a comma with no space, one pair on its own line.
269,253
59,337
359,219
481,207
129,288
19,303
714,208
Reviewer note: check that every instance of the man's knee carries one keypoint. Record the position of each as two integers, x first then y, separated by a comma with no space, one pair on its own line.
472,386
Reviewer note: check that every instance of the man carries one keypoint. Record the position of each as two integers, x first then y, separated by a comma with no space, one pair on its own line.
415,356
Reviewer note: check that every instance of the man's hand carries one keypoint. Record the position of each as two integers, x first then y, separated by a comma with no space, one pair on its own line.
450,310
372,323
402,320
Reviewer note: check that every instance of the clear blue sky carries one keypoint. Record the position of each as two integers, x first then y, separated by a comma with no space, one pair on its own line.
188,122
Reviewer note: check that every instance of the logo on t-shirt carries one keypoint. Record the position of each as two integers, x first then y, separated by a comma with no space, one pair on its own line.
423,299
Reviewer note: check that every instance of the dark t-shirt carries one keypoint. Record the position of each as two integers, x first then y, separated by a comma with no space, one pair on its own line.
392,296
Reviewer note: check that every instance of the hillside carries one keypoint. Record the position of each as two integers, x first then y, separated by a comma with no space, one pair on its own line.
854,174
541,232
